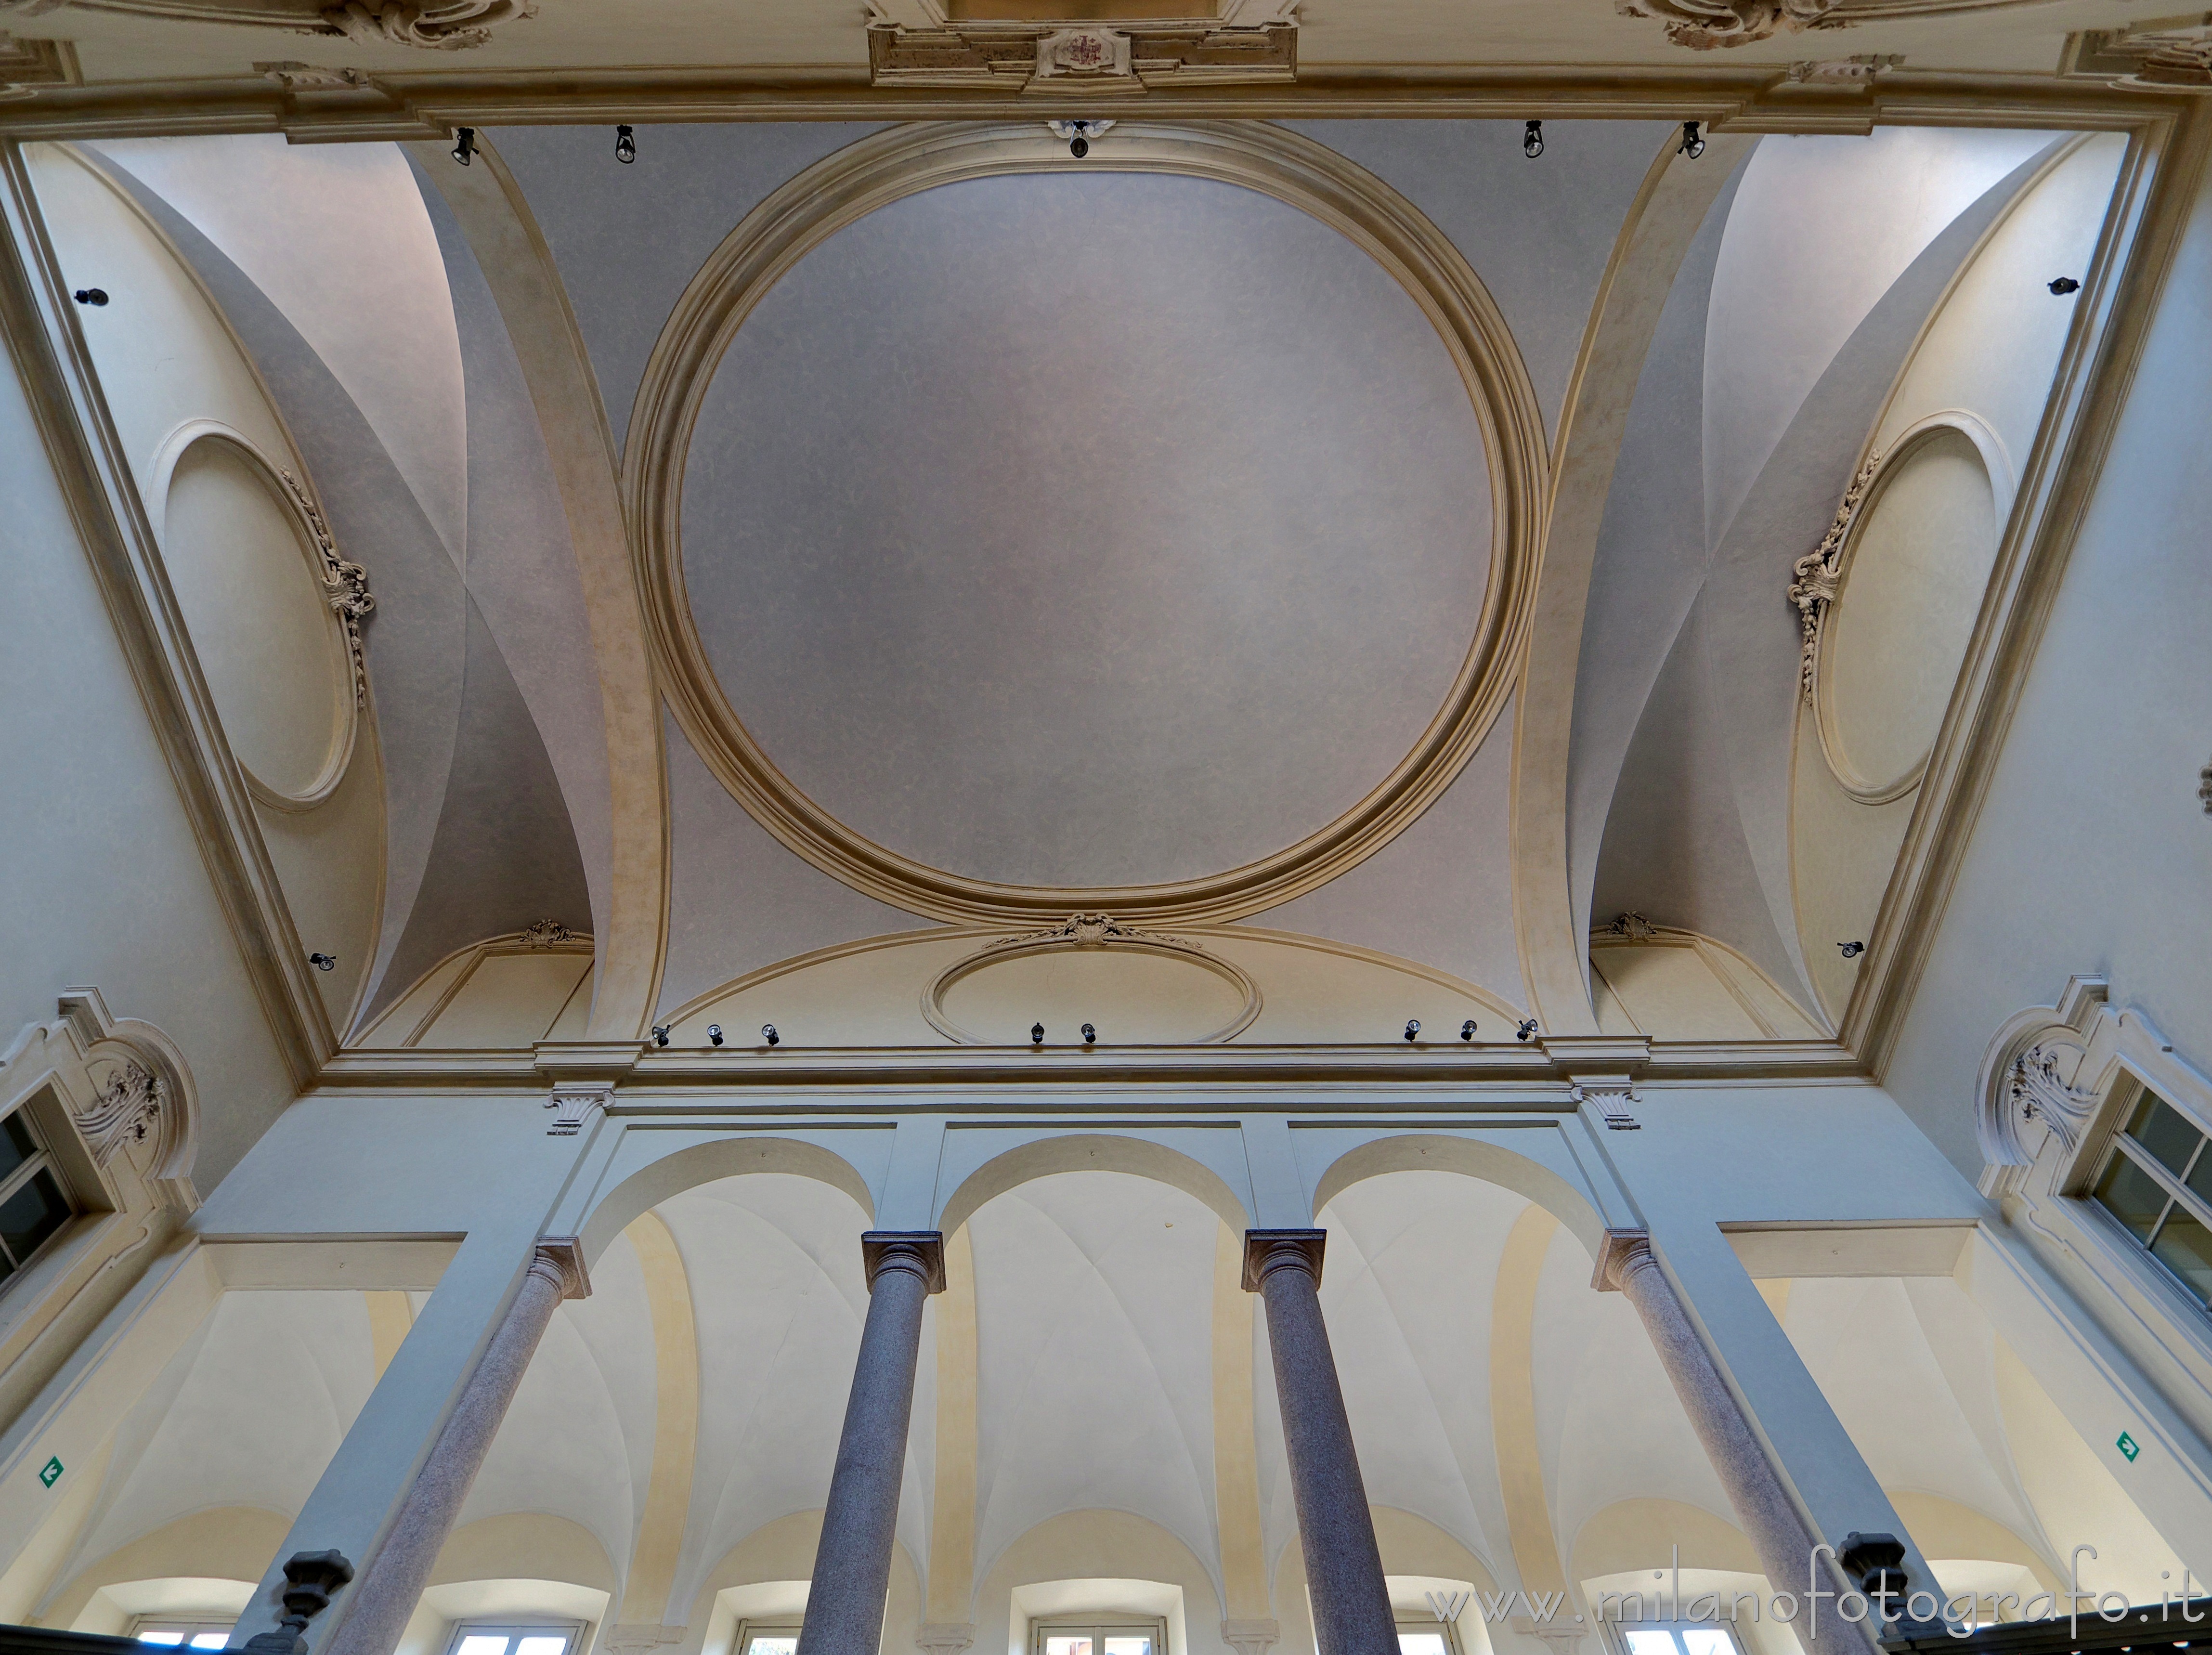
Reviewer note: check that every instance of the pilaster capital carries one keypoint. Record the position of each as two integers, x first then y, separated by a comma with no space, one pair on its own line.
634,1638
1251,1637
1621,1253
918,1252
944,1637
1268,1251
560,1260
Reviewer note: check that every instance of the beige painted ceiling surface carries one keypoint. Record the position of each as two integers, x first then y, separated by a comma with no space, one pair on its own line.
1469,35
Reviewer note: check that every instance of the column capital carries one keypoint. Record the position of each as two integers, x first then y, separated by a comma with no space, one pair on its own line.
944,1637
1251,1637
1266,1250
918,1252
1621,1252
560,1260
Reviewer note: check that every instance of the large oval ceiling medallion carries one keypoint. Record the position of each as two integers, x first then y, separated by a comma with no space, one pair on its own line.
1155,535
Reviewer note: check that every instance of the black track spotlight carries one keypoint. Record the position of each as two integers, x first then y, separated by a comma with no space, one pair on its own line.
1466,1030
464,145
1532,140
768,1033
97,296
1089,1034
324,962
1850,950
714,1033
1078,146
1692,145
2064,285
625,145
1523,1030
1413,1028
660,1034
1036,1034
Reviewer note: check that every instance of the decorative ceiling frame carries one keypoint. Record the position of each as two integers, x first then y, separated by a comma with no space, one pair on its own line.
2158,182
429,24
887,168
94,474
1703,25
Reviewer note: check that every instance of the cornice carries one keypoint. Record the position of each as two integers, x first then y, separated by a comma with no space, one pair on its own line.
679,1078
413,104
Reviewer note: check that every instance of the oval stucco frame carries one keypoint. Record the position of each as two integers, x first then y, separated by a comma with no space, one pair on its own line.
904,161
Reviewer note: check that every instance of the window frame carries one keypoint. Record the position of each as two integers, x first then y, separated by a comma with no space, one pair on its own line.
2122,1103
41,1159
1616,1633
1449,1629
190,1625
773,1625
513,1629
1101,1626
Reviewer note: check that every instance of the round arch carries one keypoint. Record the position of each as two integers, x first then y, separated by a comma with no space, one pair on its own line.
1437,1152
1092,1151
707,1163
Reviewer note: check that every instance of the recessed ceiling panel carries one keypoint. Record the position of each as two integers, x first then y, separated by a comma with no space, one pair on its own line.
1087,528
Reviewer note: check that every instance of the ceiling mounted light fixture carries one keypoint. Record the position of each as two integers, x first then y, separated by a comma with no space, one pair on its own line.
465,144
1089,1034
322,962
1523,1030
768,1033
660,1034
625,145
1077,135
1466,1030
1413,1028
2064,285
99,295
1850,950
1036,1034
1692,145
714,1033
1532,140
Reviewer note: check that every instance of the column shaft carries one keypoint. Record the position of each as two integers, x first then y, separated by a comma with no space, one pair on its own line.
388,1592
1763,1505
853,1563
1336,1532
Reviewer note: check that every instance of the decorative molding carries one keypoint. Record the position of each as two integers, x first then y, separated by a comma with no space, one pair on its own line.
944,1637
1814,578
2021,1084
26,66
1632,925
1610,1098
560,1259
1843,71
1086,931
919,1252
2163,54
641,1635
307,77
1266,1251
1702,25
345,585
545,934
1085,58
433,24
577,1102
1251,1637
888,165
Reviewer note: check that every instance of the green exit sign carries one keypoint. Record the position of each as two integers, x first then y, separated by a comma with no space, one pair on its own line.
2128,1446
51,1472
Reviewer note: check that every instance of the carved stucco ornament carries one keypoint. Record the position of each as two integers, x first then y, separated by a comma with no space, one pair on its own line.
1703,24
1815,576
345,585
2038,1094
2165,54
1084,931
427,25
548,933
1632,925
127,1107
1082,58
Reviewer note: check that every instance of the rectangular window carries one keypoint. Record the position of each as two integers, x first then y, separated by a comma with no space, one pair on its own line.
1112,1638
167,1634
1427,1636
33,1204
766,1638
480,1637
2157,1181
